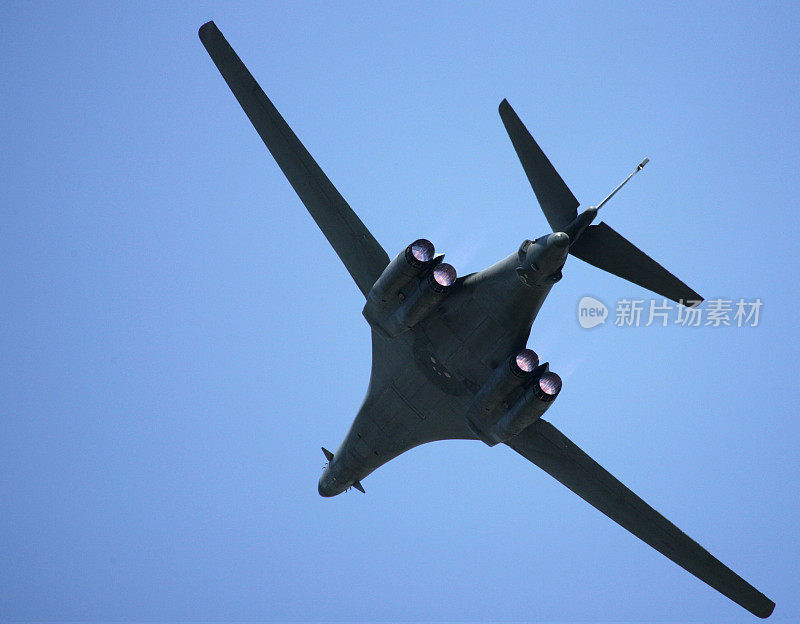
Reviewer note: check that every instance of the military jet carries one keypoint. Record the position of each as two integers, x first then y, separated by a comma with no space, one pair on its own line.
449,355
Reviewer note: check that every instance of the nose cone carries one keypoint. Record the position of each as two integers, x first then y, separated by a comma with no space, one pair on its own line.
558,239
326,485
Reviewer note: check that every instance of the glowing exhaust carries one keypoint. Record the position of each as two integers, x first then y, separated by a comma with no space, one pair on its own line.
548,386
444,274
422,250
526,361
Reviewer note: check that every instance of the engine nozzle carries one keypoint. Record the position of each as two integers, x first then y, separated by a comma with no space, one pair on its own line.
420,252
525,362
442,276
547,386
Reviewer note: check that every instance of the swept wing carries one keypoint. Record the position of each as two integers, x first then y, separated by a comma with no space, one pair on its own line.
553,452
361,254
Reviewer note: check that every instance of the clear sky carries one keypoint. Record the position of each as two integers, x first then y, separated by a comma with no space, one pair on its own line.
178,339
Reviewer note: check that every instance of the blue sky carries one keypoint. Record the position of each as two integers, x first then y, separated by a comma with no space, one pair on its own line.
179,339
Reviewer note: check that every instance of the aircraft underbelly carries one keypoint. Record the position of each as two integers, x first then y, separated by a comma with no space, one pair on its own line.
424,380
420,401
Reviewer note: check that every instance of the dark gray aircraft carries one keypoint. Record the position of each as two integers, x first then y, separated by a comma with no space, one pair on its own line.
449,359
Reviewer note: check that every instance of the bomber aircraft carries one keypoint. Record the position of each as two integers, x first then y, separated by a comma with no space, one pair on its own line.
449,355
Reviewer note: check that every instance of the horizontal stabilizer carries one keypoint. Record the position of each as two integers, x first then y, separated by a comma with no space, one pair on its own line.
602,247
558,203
327,453
357,485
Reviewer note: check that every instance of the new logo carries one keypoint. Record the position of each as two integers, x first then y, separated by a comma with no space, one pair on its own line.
591,312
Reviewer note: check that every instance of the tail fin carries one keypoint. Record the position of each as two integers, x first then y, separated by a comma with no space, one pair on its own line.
558,203
601,246
598,245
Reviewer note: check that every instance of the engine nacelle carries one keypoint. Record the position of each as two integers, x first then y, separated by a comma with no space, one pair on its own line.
410,287
529,407
430,292
510,375
410,262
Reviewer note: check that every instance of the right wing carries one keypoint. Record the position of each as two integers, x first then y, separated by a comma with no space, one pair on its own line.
553,452
361,254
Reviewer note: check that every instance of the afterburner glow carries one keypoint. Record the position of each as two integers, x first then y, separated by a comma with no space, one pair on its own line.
550,383
527,360
422,250
444,274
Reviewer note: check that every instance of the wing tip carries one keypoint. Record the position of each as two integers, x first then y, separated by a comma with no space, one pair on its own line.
765,610
691,301
206,30
507,113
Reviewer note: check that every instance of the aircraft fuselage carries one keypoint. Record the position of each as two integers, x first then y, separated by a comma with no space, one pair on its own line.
448,354
424,381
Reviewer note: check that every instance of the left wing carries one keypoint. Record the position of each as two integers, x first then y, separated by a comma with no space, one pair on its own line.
362,255
554,453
